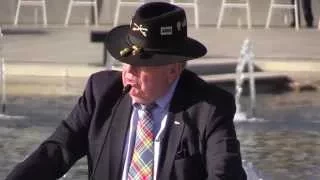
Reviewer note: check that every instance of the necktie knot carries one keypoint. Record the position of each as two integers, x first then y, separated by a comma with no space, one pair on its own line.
146,108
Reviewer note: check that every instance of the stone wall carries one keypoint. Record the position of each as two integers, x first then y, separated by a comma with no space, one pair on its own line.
209,10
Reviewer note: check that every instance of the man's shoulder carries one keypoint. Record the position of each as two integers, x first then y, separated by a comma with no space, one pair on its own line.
197,91
106,75
105,81
198,86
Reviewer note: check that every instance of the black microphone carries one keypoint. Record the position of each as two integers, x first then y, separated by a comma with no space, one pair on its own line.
125,90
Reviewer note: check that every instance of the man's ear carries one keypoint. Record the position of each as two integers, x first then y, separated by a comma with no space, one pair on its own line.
174,71
179,68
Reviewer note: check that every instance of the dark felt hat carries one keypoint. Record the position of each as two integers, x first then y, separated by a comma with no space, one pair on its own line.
156,35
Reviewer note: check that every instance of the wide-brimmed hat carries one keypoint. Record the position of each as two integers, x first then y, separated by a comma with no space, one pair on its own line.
156,35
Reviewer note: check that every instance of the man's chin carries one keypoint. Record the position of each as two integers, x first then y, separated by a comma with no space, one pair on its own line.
135,97
138,99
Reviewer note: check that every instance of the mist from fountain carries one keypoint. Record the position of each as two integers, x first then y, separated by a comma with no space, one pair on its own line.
2,73
246,58
3,84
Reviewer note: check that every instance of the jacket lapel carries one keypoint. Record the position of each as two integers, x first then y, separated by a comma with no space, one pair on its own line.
110,166
175,127
169,145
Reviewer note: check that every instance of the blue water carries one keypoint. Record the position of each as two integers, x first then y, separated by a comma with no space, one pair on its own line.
285,144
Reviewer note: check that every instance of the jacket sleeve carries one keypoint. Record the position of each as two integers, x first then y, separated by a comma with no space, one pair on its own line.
223,158
54,157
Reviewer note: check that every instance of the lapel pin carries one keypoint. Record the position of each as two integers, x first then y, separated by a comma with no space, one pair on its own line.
177,123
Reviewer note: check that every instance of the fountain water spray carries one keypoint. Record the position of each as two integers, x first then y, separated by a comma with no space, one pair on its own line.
3,84
251,171
246,58
3,87
3,80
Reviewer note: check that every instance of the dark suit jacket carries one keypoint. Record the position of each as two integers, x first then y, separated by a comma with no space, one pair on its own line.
199,143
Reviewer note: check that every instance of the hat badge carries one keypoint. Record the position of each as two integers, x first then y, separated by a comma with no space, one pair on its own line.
140,28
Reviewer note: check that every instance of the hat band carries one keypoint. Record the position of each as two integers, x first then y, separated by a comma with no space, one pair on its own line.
155,42
167,50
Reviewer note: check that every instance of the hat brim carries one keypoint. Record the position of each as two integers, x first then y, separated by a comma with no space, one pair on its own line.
116,40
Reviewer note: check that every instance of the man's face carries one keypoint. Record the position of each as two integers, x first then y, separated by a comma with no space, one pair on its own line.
149,83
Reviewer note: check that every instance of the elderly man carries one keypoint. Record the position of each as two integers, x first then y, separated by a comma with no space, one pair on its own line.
155,120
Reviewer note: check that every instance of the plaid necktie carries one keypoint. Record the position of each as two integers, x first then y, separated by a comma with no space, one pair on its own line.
141,167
